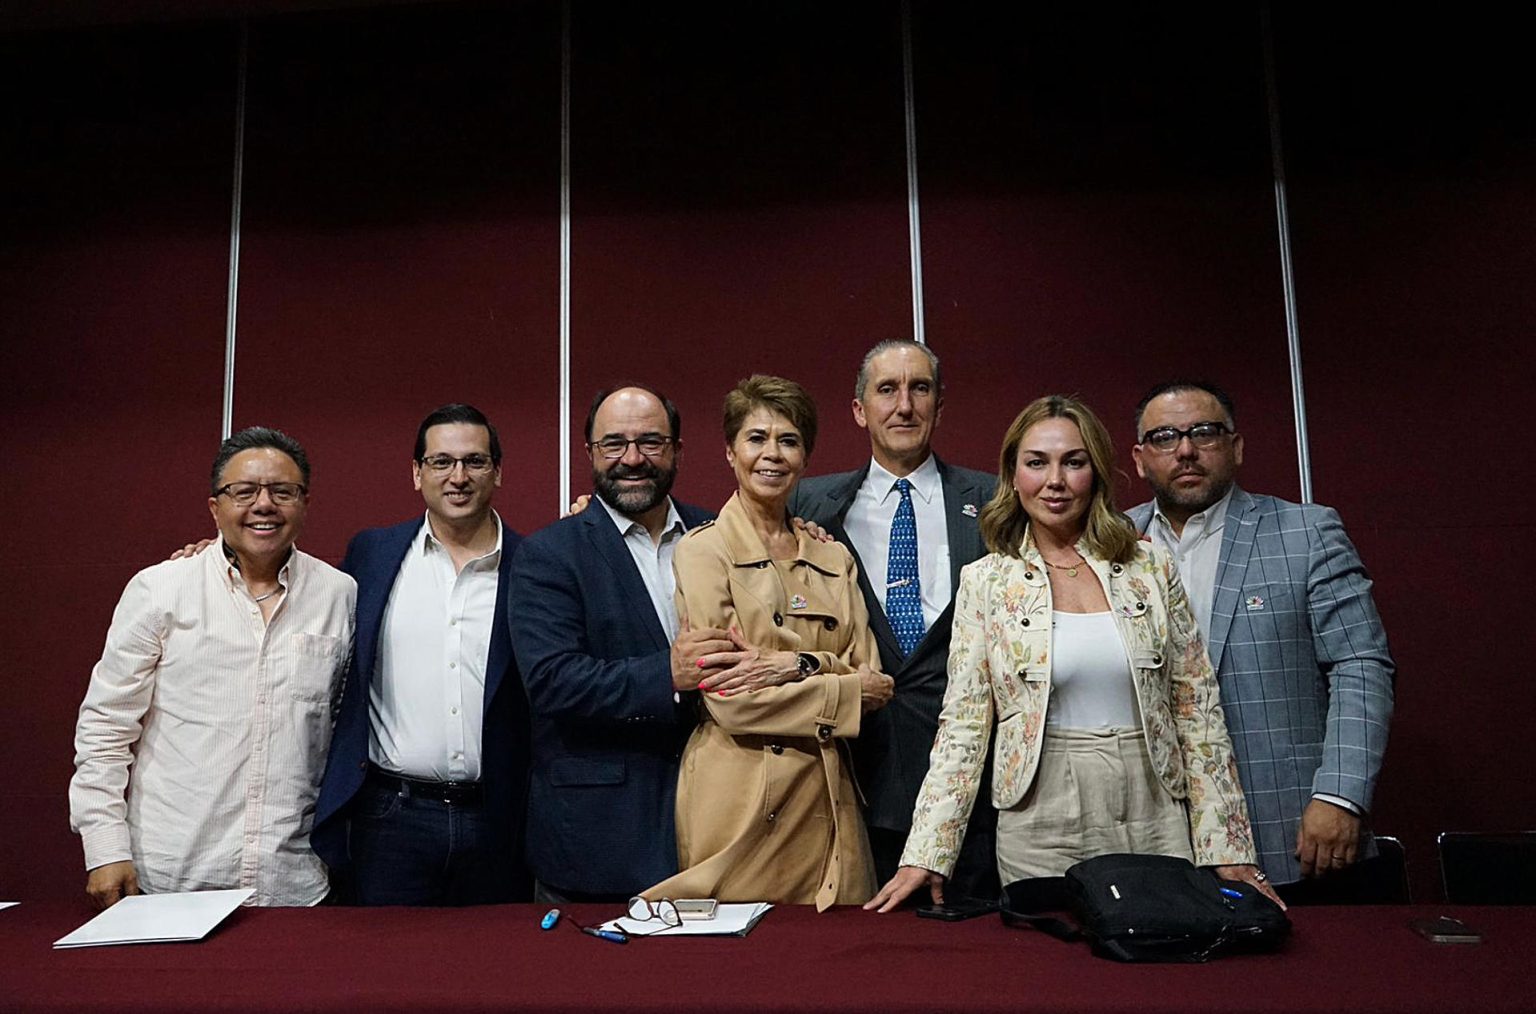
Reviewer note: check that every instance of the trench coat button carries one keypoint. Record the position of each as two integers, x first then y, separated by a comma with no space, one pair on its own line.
777,748
762,565
824,732
772,817
829,623
778,620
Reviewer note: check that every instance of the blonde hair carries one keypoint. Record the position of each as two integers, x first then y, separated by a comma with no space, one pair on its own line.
1004,523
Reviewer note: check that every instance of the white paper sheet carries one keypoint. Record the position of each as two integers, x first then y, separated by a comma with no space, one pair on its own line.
729,921
8,904
157,918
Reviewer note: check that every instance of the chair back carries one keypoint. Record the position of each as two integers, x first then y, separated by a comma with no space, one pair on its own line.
1483,868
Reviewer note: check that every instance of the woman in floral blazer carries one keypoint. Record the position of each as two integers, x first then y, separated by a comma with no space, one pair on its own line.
1059,547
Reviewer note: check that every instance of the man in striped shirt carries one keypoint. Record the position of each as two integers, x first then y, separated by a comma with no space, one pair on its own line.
204,730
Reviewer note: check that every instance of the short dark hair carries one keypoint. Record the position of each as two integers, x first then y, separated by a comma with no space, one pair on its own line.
255,438
1174,386
776,394
896,343
457,412
673,419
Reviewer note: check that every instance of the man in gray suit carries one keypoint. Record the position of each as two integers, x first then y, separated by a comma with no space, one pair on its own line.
1285,606
910,521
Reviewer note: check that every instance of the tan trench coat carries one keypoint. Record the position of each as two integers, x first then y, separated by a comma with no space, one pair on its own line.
767,809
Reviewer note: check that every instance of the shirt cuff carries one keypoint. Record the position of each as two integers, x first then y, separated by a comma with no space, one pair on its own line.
103,845
1340,802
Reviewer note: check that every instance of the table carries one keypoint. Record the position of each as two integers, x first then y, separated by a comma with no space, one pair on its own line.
497,959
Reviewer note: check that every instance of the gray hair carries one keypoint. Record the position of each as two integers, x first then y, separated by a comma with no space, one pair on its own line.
886,346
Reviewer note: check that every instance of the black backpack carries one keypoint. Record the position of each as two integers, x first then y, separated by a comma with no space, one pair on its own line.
1148,908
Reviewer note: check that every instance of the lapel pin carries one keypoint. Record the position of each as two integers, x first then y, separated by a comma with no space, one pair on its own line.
969,510
797,602
1254,602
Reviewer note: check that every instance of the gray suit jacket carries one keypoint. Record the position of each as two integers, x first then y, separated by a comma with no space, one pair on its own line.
891,753
1301,656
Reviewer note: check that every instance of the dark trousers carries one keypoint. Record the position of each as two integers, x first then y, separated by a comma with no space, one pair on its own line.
407,850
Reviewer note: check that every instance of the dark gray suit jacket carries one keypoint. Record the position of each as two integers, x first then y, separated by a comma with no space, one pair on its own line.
891,753
1301,656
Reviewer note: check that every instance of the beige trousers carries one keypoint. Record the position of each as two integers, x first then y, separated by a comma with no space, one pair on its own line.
1094,792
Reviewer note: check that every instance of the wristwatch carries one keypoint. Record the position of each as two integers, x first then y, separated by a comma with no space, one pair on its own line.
809,664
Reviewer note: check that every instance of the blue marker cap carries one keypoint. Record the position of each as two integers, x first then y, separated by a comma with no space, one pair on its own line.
550,918
1230,893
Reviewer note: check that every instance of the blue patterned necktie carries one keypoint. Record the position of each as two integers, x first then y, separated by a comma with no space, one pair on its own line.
903,591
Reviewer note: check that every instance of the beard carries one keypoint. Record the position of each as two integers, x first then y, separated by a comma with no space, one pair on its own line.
1193,499
632,501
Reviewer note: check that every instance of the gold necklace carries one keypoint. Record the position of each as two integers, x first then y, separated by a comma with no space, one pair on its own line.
1070,568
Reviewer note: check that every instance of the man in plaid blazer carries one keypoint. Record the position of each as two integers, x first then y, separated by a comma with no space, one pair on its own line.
1285,606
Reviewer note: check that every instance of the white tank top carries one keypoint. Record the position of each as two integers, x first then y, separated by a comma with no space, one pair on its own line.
1091,685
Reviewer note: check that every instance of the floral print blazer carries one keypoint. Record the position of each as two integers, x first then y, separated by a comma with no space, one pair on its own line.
1000,667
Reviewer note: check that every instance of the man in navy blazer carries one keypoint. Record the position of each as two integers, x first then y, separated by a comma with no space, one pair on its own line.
897,399
423,794
607,670
1285,605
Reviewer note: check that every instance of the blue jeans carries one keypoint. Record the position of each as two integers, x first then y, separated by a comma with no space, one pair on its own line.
407,850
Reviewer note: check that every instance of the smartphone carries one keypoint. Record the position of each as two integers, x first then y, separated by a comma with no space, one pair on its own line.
696,908
965,908
1446,930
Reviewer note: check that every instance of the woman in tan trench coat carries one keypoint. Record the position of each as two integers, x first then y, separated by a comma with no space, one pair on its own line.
767,809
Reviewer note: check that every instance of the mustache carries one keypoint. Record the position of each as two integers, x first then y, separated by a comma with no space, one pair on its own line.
645,470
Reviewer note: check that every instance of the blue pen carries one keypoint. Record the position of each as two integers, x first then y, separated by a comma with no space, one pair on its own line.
550,918
612,936
1231,893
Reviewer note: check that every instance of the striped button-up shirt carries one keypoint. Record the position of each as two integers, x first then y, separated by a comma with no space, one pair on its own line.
203,734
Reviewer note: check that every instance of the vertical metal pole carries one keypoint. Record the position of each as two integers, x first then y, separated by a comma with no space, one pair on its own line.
914,225
1287,278
234,235
563,436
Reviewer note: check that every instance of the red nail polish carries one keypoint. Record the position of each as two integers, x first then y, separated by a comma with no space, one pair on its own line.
701,663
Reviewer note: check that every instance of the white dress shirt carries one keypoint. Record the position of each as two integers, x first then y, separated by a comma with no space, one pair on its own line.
204,731
653,560
869,529
426,701
1196,552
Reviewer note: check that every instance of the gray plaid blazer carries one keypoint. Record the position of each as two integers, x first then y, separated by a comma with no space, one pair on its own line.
1301,656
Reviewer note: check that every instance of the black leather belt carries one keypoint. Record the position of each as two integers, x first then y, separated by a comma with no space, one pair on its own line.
457,793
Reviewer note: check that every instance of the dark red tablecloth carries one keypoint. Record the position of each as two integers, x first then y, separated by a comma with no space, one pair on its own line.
485,959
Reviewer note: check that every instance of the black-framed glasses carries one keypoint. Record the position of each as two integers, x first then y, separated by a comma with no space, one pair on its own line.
652,445
1203,435
662,910
474,464
243,494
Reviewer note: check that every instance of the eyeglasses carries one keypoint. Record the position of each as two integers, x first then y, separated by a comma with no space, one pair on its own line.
243,494
652,445
663,910
1203,435
474,464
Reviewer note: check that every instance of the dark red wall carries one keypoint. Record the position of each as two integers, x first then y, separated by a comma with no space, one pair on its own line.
1097,208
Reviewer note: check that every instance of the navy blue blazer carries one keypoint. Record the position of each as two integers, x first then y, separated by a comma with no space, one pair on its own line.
607,732
373,559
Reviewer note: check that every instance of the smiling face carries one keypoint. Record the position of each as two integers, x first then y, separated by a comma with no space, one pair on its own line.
768,456
456,496
262,531
900,408
1053,477
633,483
1187,479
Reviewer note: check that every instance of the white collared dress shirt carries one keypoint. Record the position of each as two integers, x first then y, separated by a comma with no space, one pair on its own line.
869,529
1196,551
653,559
426,701
203,734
